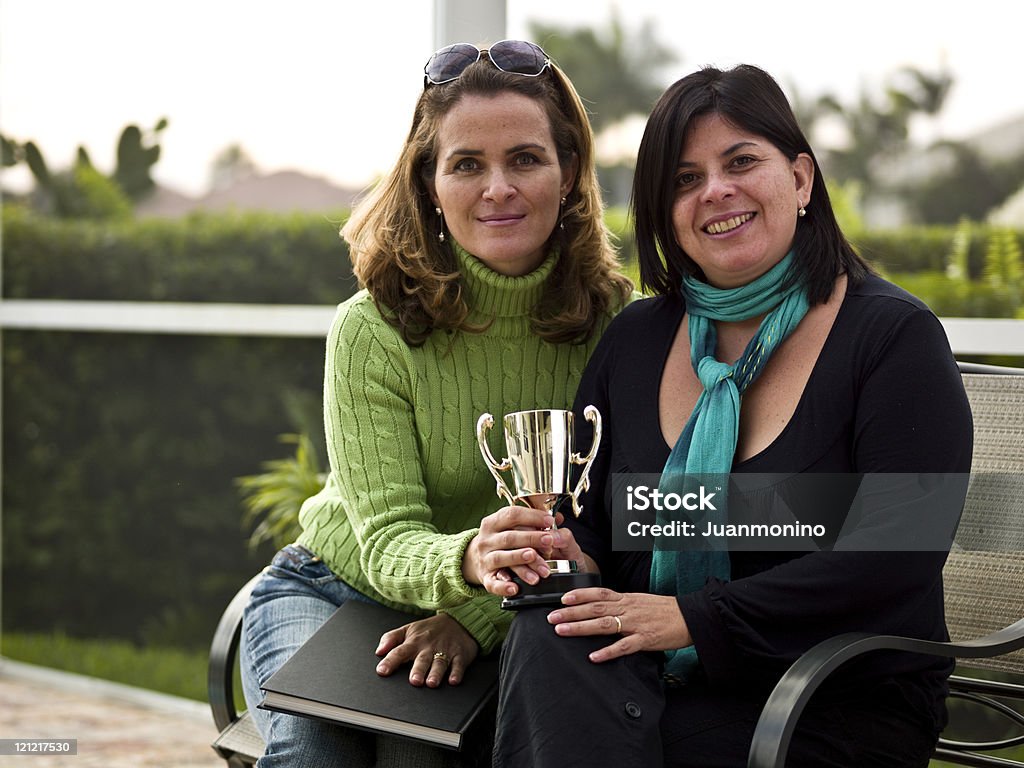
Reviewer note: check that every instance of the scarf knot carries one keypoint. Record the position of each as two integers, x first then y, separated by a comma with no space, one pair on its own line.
711,372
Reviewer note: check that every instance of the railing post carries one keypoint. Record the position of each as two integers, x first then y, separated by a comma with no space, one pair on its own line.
468,21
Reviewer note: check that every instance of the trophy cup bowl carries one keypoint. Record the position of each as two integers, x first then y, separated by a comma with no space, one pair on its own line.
540,456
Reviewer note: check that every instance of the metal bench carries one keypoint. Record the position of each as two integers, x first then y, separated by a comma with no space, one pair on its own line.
238,741
984,583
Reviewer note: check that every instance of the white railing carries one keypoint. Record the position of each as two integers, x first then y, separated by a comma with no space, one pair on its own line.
967,335
167,317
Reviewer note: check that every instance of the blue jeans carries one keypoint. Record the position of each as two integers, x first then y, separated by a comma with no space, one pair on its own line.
295,596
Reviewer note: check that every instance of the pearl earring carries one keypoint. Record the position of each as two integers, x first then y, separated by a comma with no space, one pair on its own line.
801,212
440,215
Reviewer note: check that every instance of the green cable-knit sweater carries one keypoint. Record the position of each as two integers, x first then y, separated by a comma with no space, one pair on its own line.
408,487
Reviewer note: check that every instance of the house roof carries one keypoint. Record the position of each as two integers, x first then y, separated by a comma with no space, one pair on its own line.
280,192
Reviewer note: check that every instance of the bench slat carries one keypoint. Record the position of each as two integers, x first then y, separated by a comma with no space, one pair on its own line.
240,740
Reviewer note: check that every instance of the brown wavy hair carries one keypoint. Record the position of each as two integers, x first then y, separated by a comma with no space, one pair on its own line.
414,279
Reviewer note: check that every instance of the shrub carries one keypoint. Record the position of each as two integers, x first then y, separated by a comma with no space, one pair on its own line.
121,517
253,258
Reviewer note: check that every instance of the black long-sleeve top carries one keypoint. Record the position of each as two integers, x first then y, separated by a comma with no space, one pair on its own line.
885,396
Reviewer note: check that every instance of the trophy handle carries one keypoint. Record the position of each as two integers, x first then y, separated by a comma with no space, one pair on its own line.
592,415
483,425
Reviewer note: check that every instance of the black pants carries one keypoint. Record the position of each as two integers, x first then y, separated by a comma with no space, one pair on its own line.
557,708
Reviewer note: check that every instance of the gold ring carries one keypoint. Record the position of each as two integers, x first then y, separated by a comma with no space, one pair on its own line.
618,624
441,656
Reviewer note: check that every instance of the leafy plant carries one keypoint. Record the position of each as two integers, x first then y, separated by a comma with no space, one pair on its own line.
957,264
1004,266
846,202
997,292
135,159
82,191
272,498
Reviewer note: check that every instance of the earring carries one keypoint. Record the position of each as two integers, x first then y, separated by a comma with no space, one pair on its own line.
561,219
440,216
801,212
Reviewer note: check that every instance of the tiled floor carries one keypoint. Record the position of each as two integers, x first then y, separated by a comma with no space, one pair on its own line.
116,726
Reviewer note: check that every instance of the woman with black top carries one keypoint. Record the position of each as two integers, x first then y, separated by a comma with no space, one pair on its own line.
770,347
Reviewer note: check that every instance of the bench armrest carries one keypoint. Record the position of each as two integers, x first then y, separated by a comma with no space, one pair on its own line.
782,710
223,653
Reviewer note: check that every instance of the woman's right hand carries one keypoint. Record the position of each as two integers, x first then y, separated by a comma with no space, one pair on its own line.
438,647
516,540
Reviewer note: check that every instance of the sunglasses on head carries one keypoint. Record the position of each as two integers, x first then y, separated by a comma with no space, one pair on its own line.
516,57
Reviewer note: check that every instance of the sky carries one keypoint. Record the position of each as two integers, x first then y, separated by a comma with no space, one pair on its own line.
327,87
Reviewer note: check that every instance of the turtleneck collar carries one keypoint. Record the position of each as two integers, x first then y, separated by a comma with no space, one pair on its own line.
493,295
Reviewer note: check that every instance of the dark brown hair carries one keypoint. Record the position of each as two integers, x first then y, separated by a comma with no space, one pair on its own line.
749,98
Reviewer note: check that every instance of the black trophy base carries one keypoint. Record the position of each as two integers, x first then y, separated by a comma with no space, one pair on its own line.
549,590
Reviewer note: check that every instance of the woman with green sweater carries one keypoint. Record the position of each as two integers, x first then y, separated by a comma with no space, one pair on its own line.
488,277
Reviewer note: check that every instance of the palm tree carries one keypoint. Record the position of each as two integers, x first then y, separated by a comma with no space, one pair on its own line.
880,131
616,72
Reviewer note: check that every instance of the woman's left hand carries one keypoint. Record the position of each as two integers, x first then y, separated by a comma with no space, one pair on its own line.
635,620
439,648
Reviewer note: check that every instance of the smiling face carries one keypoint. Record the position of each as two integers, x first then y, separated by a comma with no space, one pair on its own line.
736,201
498,180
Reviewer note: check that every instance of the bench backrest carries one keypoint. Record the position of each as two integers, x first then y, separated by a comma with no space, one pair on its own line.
984,576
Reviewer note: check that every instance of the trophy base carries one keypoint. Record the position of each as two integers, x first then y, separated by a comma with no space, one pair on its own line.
549,590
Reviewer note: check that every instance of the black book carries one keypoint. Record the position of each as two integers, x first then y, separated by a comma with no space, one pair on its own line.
333,677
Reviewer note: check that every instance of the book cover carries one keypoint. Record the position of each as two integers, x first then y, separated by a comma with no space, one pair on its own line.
333,677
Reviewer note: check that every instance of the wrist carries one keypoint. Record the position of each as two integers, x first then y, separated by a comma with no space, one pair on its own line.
470,567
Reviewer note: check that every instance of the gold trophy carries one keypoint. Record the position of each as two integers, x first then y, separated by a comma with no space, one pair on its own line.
541,457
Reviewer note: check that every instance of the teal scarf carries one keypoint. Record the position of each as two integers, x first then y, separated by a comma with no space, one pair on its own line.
708,442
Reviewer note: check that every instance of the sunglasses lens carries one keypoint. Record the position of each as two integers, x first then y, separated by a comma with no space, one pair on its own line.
450,62
518,57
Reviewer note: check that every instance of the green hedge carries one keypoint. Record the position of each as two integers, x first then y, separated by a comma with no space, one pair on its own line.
121,514
292,259
920,249
120,451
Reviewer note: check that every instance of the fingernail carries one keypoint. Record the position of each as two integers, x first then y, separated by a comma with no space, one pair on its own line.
382,669
568,598
546,540
554,617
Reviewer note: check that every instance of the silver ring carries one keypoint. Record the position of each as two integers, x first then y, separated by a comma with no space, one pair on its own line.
441,656
618,624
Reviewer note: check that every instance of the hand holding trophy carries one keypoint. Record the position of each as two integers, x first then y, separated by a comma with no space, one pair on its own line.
541,457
